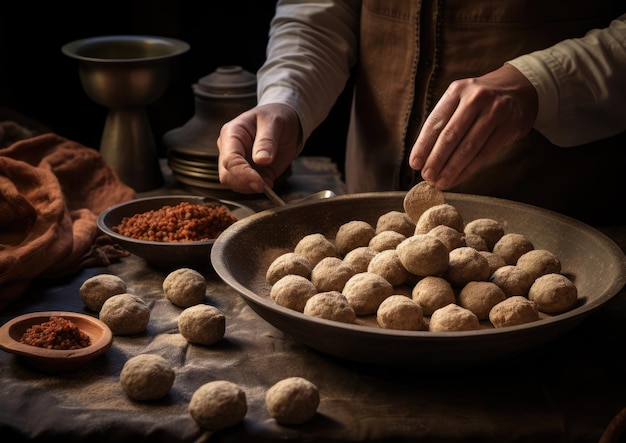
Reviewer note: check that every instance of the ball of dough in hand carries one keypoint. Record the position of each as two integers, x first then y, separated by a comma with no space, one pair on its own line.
218,404
420,197
184,287
202,324
292,401
147,377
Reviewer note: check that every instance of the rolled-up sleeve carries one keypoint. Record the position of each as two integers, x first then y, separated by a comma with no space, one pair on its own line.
581,86
312,47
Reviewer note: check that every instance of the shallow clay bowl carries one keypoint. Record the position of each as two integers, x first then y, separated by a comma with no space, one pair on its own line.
55,360
165,254
593,261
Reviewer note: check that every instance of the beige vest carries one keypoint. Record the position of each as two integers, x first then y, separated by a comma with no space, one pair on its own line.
412,50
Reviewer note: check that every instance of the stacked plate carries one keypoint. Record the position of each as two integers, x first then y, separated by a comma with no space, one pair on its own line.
195,168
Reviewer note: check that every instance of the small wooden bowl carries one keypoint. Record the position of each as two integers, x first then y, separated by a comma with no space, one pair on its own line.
55,360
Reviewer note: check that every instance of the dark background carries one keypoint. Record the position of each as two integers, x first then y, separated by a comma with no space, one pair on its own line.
41,83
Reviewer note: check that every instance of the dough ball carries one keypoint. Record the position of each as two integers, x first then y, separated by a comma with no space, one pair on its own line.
184,287
444,214
331,274
331,305
511,247
387,264
512,280
202,324
539,262
449,236
360,258
494,260
351,235
292,291
423,255
125,314
553,293
386,240
488,229
476,242
147,377
513,311
288,263
453,318
479,297
397,221
95,290
366,291
466,264
432,293
400,312
218,404
420,197
292,401
315,247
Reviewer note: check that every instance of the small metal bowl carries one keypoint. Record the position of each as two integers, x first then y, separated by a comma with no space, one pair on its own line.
165,254
55,360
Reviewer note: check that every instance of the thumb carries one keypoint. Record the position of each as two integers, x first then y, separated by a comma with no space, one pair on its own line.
264,147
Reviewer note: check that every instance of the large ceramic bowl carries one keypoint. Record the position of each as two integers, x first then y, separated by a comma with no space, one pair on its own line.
589,258
165,254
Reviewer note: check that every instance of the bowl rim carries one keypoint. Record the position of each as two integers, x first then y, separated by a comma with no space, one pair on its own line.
72,48
9,344
574,315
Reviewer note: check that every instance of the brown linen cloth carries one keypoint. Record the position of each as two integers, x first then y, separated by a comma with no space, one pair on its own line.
51,192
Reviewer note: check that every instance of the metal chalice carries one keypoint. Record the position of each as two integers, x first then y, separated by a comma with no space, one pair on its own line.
125,73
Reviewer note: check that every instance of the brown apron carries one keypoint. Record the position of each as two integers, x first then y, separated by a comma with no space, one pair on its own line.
410,51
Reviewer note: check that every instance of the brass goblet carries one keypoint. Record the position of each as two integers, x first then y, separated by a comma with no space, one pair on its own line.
126,73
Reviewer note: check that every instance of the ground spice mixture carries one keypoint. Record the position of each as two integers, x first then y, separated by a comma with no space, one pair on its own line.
56,333
183,222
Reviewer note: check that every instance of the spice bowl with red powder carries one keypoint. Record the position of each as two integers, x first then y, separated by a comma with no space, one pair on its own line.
56,341
172,230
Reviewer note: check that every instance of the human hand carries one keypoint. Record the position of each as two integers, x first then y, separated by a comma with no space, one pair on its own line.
257,146
472,121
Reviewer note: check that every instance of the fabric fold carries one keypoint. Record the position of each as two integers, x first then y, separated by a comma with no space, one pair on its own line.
51,192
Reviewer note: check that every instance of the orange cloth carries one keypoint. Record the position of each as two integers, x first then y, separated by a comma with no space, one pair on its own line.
51,192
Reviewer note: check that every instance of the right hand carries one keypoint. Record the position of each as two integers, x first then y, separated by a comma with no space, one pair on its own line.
257,146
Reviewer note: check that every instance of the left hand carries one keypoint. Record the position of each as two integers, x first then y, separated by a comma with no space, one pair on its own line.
474,118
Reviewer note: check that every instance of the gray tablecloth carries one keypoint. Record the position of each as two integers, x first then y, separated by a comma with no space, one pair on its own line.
566,391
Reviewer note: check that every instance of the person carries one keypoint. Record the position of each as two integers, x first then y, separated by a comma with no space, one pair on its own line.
522,99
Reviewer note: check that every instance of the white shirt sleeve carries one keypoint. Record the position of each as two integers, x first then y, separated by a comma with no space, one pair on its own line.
581,85
312,47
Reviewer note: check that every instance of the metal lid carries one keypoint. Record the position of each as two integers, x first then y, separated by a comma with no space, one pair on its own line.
226,81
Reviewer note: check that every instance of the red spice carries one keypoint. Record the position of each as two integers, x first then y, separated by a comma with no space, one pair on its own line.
57,333
184,222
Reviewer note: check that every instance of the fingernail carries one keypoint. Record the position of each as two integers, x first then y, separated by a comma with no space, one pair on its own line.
263,154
